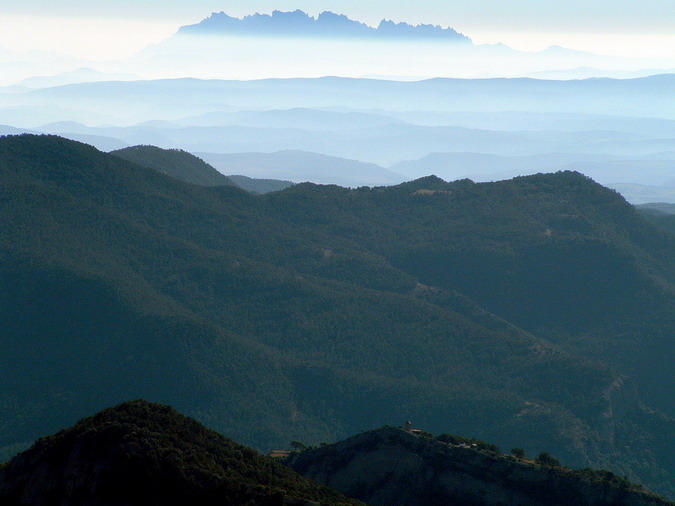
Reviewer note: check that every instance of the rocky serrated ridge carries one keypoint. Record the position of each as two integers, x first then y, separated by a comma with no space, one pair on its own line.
327,24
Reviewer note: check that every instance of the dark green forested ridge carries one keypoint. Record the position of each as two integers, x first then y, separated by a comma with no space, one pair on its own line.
143,453
176,163
555,254
524,312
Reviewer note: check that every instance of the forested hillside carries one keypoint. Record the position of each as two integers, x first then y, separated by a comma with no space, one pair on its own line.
557,255
522,312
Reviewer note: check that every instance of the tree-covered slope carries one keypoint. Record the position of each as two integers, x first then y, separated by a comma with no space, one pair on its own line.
140,453
176,163
304,315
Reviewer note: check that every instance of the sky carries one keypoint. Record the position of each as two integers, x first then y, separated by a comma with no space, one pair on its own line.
96,29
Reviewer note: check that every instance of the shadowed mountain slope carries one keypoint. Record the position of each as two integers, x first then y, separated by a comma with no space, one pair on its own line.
140,453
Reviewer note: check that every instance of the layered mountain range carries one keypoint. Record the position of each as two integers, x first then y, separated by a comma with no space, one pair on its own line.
352,132
535,312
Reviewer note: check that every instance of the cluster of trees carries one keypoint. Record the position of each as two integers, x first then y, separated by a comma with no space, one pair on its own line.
469,441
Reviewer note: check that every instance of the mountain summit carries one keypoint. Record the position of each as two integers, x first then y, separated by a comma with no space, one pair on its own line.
327,24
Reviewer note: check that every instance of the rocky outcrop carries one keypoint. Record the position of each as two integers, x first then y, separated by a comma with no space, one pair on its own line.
390,466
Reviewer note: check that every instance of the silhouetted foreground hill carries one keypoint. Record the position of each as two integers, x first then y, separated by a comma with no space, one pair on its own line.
140,453
390,466
535,312
144,453
176,163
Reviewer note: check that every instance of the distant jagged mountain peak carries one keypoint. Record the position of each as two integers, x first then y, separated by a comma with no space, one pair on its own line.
327,24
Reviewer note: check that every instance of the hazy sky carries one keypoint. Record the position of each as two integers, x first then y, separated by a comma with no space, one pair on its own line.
109,29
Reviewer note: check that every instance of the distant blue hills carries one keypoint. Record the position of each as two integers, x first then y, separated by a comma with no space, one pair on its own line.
326,25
